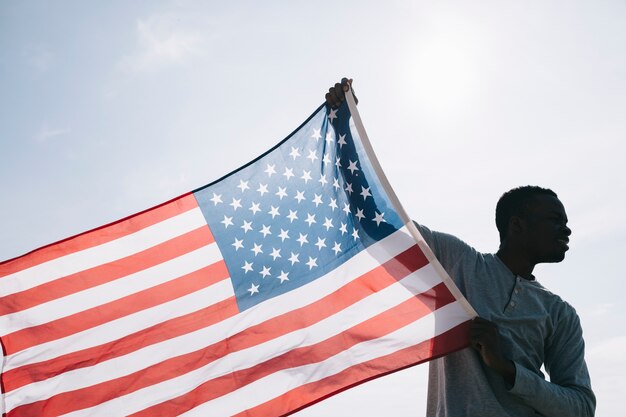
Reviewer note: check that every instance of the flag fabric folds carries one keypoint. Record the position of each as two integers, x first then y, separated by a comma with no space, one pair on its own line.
286,281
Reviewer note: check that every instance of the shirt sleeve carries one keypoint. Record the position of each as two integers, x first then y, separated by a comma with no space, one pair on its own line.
568,393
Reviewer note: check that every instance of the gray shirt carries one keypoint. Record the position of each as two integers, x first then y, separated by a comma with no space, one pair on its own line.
537,328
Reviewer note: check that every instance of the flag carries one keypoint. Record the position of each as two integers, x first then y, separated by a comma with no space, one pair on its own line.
286,281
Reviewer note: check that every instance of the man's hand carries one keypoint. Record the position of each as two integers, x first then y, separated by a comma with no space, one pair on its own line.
485,338
337,93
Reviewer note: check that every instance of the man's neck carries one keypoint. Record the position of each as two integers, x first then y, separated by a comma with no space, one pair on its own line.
518,264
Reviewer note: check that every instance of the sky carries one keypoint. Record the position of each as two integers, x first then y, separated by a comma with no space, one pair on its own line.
108,108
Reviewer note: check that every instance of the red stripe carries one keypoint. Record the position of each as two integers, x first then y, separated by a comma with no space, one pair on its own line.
371,282
96,316
454,339
105,273
100,235
373,328
169,329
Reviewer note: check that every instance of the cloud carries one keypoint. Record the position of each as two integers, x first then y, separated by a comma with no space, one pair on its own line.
38,57
163,40
46,132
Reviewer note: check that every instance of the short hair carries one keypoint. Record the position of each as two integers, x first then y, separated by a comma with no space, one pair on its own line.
516,202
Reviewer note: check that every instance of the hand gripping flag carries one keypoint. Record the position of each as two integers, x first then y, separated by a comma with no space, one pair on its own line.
294,277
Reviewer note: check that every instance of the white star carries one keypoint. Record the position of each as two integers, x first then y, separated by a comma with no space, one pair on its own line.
378,218
342,141
316,134
321,243
253,289
317,200
243,185
254,208
270,170
294,258
312,155
343,228
355,234
338,162
333,204
247,226
288,173
284,276
228,221
323,180
284,234
329,137
247,266
257,249
312,263
266,271
337,248
352,167
236,203
293,215
294,153
336,184
282,192
273,212
346,208
275,253
302,239
365,192
217,198
310,219
359,214
326,159
265,230
328,223
333,115
238,244
299,196
349,188
262,189
306,176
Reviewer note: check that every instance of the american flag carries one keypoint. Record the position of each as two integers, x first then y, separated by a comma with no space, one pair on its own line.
284,282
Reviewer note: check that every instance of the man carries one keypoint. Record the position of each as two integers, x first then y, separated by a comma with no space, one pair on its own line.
521,325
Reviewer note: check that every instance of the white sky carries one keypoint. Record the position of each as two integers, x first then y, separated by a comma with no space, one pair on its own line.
108,108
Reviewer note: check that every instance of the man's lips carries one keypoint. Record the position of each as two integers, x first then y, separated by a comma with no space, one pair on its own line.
564,242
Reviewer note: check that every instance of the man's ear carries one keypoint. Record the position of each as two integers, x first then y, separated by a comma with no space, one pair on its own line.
517,225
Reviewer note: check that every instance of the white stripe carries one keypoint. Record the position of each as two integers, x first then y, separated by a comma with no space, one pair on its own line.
123,326
188,343
102,254
113,290
380,252
278,383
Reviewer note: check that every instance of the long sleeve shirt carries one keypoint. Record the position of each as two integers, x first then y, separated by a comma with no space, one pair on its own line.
536,328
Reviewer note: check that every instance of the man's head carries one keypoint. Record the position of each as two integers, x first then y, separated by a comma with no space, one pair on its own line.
533,220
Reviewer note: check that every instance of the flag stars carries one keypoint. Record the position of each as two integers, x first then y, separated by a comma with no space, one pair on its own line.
273,212
288,173
359,214
321,243
294,153
323,180
265,272
333,204
346,208
329,137
365,192
328,223
217,198
275,254
271,169
284,234
342,141
254,208
317,200
293,215
238,244
262,189
247,267
243,185
306,176
246,226
282,192
333,115
283,276
302,239
294,258
326,159
236,203
228,221
312,155
378,218
299,196
338,162
257,249
311,263
265,230
352,167
349,188
336,185
253,289
316,134
343,228
310,219
336,248
355,234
